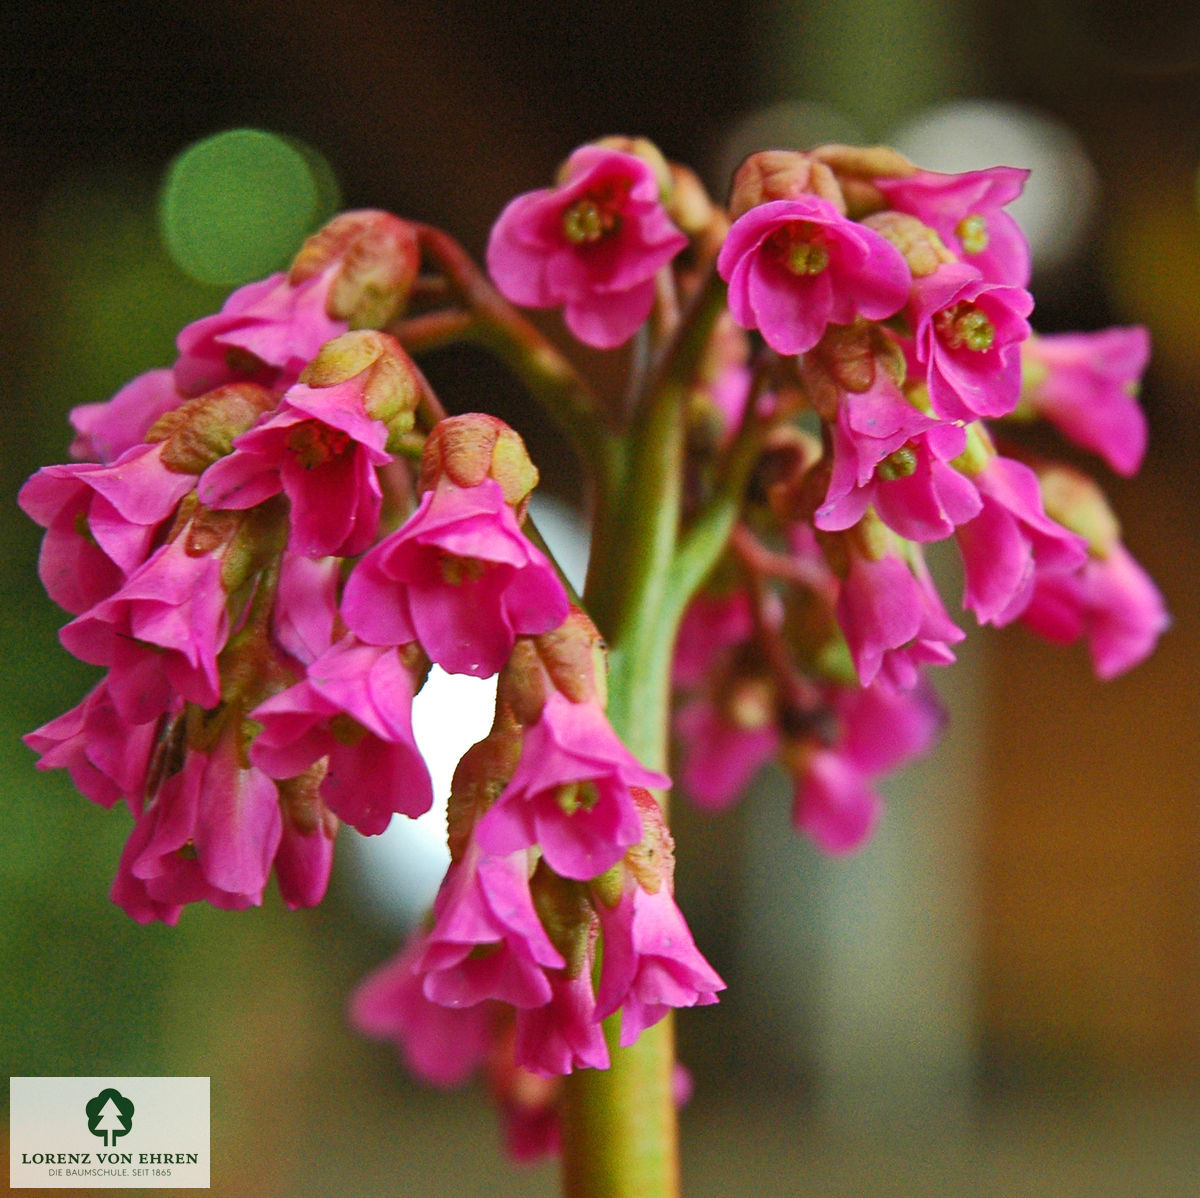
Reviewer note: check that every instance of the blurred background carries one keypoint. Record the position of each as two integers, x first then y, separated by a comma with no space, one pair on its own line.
1002,993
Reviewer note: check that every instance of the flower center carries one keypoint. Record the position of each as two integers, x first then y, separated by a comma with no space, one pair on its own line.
973,233
902,463
595,215
315,443
576,796
963,325
801,247
456,570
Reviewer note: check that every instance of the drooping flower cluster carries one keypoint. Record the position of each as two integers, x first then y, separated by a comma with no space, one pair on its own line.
833,374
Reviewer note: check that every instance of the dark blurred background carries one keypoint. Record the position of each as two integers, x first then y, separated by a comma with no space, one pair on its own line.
1002,993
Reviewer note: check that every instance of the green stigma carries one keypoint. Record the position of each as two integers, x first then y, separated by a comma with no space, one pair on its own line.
973,233
801,248
965,326
902,463
589,220
576,796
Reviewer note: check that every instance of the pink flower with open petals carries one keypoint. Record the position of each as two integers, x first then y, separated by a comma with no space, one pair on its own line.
795,266
967,336
106,756
570,793
1086,383
893,619
592,244
890,455
159,634
210,834
460,578
354,706
321,448
564,1034
1110,601
442,1045
877,730
650,963
967,211
1010,542
721,753
486,940
266,332
100,521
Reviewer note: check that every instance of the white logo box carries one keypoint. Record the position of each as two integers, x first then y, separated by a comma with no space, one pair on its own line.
114,1132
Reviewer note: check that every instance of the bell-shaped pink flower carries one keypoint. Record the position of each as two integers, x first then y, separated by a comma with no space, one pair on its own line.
304,861
889,455
563,1034
442,1045
321,448
1110,601
893,619
570,793
354,706
159,634
266,332
795,266
460,578
1086,385
967,336
591,245
100,521
878,729
106,756
104,431
1010,541
967,211
210,834
720,753
486,941
711,624
650,963
306,605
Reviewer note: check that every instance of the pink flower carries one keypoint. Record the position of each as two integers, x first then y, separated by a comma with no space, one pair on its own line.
967,336
966,211
100,521
570,793
106,756
266,332
104,431
354,706
893,619
795,266
592,244
1010,542
1111,601
487,941
306,605
563,1034
442,1045
878,729
711,624
210,833
650,963
1086,383
722,754
321,448
459,577
304,859
889,455
159,634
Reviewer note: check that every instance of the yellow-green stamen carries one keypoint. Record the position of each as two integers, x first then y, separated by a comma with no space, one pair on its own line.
964,326
973,233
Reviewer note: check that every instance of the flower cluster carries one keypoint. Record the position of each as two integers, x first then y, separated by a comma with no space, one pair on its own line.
267,545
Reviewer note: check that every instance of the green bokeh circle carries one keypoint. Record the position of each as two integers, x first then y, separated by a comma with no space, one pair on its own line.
237,205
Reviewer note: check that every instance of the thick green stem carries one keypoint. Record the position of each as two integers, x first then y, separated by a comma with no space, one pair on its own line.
620,1132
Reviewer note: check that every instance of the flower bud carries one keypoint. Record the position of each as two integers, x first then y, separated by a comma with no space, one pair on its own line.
781,175
923,249
201,430
856,168
389,380
1075,501
467,449
379,259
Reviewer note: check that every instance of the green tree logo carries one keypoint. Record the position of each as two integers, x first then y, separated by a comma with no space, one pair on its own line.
109,1114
